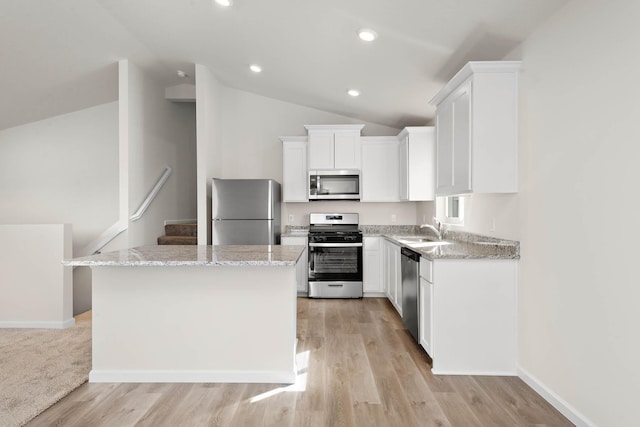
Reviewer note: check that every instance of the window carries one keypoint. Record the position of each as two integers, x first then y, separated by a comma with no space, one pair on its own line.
451,209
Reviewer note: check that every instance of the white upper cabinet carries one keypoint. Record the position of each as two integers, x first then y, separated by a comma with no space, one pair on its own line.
294,169
334,146
416,163
379,174
476,130
321,150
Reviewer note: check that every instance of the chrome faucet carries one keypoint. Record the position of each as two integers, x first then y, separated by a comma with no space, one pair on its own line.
438,229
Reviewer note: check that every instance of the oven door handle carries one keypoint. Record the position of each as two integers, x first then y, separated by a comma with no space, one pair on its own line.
335,245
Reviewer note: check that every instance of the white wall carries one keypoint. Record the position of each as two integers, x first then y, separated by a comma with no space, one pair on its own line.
575,211
158,133
251,148
35,296
495,215
369,213
425,211
209,159
253,125
62,170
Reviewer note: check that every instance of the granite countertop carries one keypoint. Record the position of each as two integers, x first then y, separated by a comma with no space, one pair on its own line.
195,255
454,249
455,245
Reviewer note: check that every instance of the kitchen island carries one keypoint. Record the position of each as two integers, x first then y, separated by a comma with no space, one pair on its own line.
194,314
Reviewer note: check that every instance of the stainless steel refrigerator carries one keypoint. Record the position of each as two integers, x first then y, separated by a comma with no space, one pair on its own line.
245,212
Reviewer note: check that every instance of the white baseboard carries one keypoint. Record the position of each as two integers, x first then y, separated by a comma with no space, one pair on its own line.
556,401
178,376
374,295
37,324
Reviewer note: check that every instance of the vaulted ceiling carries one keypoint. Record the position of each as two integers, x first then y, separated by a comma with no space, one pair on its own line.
60,56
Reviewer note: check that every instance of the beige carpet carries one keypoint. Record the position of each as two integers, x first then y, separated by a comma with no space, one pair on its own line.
38,367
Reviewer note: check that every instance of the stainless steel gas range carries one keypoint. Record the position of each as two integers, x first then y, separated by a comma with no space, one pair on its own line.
335,256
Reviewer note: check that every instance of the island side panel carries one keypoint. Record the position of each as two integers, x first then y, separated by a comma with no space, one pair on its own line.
194,324
474,317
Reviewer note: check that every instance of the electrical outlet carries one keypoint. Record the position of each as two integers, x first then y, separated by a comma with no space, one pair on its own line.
492,226
290,218
424,218
393,217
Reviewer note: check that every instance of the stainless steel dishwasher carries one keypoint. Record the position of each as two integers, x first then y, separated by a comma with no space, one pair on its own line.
410,269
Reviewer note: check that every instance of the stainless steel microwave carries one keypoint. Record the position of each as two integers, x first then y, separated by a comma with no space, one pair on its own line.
334,184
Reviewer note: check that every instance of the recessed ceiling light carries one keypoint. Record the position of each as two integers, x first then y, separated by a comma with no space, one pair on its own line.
367,35
353,92
225,3
255,68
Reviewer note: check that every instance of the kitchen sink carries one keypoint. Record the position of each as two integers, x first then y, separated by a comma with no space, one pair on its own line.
420,241
415,239
427,244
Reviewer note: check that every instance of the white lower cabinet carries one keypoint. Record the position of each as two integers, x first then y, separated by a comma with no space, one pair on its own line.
392,274
468,315
373,271
302,268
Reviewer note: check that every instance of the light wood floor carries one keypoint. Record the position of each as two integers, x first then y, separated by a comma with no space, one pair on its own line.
363,370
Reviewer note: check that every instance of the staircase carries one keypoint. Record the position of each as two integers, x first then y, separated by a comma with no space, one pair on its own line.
179,234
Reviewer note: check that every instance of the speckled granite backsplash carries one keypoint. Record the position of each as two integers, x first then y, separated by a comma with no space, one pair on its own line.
390,229
295,229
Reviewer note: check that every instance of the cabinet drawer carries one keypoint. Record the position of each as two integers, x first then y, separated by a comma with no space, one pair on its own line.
426,269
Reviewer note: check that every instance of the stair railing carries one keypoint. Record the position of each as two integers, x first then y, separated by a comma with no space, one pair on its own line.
152,195
116,229
103,239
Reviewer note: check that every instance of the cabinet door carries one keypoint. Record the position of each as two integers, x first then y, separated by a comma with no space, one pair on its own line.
386,283
444,148
346,150
462,139
295,187
372,268
420,163
380,171
321,150
403,167
397,257
393,275
426,310
390,271
302,268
